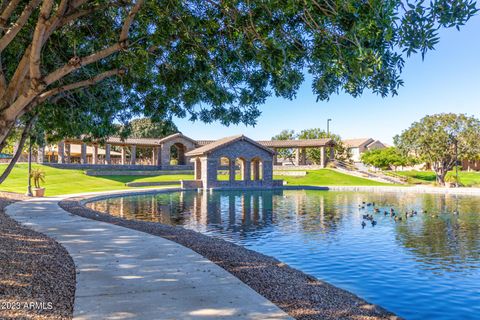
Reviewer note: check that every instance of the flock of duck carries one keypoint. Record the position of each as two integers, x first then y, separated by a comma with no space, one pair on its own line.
392,213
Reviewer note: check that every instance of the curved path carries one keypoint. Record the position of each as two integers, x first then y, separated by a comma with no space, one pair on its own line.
127,274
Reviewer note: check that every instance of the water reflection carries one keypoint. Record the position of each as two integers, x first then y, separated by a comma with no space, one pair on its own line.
432,258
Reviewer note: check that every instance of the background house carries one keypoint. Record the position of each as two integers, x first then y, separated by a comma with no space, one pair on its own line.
358,146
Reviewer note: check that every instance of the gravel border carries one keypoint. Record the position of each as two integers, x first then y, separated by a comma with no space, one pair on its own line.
33,269
300,295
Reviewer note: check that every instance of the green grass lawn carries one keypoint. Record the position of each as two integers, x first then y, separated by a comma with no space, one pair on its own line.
468,179
328,177
68,181
63,181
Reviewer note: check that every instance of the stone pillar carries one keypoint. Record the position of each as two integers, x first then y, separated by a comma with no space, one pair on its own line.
322,157
95,154
275,157
61,152
154,156
68,153
198,169
303,156
133,155
108,157
297,156
332,153
267,167
231,170
256,170
211,172
41,154
124,155
83,153
247,175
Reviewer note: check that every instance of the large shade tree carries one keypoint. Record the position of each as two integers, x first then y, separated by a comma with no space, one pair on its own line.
207,60
440,140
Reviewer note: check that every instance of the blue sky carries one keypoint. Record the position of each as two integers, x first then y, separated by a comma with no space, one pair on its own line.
448,80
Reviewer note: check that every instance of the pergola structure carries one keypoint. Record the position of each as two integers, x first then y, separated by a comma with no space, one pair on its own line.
162,151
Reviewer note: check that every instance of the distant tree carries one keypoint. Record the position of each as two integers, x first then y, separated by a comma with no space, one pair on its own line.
313,154
286,153
437,138
146,128
387,158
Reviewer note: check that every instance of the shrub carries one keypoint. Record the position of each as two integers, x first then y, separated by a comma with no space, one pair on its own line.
38,177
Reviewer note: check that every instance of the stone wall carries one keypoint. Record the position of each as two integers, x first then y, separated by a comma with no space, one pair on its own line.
117,166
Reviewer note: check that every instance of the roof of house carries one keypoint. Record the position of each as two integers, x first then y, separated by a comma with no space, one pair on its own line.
176,135
208,148
297,143
356,143
378,142
285,143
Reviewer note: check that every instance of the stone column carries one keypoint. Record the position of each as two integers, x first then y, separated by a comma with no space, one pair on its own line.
267,167
332,153
256,170
95,154
68,153
247,175
231,170
275,157
41,154
61,152
322,157
303,156
124,156
297,156
83,153
211,172
108,157
198,169
154,156
133,154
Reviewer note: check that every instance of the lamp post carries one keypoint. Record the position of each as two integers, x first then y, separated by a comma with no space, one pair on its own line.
456,162
328,126
29,188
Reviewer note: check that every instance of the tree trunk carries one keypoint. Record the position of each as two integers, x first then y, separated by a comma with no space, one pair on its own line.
18,153
440,175
5,128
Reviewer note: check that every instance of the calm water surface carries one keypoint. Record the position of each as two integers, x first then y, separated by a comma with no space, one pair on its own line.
427,267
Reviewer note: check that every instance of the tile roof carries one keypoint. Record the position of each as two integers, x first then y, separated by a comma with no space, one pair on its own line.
297,143
223,142
356,143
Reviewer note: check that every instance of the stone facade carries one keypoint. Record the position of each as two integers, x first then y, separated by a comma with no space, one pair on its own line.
254,162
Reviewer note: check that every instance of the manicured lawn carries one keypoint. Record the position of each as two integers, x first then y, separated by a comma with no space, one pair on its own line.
468,179
63,181
327,177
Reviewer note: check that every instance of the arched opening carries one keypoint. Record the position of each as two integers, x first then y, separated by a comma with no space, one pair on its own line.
240,168
223,169
256,169
177,154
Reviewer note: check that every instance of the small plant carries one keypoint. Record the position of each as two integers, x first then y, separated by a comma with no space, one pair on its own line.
38,177
453,180
174,162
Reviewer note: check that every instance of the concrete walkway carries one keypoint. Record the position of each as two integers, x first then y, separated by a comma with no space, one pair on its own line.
127,274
